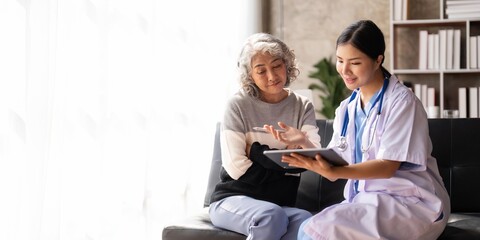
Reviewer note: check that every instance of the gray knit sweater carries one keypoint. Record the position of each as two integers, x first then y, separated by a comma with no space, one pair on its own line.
256,176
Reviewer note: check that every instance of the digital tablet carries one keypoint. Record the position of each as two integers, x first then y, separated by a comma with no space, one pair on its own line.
327,153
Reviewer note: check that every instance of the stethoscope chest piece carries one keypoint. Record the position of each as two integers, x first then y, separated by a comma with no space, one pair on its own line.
342,144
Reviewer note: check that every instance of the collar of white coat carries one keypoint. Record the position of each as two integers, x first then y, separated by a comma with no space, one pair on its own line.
393,81
351,105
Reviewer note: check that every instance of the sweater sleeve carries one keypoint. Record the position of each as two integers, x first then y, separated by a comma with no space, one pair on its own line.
257,156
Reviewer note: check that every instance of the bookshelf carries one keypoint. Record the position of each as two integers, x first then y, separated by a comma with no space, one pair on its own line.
448,73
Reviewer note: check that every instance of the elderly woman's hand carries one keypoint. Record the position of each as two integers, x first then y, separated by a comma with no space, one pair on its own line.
291,136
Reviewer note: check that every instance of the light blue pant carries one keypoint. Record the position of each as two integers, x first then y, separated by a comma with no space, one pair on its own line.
258,220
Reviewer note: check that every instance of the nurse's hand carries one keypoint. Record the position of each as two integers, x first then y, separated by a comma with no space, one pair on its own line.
317,164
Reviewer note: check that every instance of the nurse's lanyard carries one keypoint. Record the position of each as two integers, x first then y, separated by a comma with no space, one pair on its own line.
342,144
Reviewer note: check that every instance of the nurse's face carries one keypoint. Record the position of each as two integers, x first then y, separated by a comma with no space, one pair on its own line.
356,68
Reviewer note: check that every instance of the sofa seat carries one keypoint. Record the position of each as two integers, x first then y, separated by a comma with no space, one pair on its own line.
199,227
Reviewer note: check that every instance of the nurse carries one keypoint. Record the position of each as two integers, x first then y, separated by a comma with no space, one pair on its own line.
394,189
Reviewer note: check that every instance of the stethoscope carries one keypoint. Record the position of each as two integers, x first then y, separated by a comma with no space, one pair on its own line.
342,143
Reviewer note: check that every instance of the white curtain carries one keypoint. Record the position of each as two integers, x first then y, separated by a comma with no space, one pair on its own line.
108,111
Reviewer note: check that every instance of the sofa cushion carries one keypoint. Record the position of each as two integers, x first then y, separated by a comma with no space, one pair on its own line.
198,227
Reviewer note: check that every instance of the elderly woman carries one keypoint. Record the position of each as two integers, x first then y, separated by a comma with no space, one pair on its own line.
256,197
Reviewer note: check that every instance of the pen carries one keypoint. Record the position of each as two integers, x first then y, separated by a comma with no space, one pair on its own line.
261,129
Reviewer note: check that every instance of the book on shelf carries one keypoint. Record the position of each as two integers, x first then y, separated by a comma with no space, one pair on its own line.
473,102
436,49
425,94
460,2
430,96
442,33
456,48
417,89
478,51
478,102
462,102
431,51
400,10
405,9
450,34
464,15
473,52
423,50
433,110
462,9
397,10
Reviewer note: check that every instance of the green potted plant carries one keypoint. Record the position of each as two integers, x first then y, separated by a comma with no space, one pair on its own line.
331,86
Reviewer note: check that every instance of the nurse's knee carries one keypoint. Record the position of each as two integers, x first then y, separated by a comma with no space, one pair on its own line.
298,217
301,233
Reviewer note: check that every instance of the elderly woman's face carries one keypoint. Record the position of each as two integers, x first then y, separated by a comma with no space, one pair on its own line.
270,75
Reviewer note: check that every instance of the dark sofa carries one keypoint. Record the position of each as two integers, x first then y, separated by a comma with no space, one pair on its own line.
456,143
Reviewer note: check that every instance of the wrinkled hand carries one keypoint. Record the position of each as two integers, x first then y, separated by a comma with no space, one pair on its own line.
291,136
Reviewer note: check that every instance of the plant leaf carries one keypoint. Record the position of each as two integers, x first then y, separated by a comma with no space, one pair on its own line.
331,85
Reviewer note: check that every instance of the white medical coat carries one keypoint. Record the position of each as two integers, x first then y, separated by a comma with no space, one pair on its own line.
405,206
